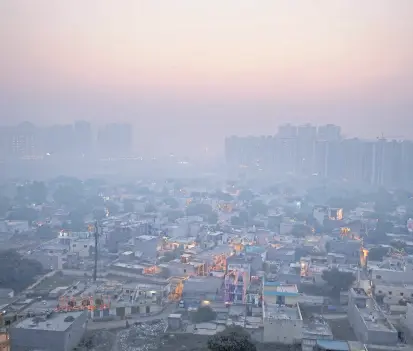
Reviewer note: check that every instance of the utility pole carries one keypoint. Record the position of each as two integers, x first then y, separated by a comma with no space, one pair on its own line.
96,235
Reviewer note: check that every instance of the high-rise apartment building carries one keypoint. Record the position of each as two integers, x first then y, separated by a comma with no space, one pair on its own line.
329,132
407,163
306,151
59,140
305,156
115,140
21,141
83,137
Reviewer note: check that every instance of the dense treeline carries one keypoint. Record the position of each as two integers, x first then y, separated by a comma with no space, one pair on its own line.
16,272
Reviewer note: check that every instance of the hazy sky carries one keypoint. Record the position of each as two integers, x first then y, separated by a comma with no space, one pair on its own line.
189,72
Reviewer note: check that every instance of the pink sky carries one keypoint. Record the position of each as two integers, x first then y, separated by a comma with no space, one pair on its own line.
287,60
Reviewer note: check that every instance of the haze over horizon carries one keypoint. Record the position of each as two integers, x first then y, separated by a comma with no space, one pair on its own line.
188,73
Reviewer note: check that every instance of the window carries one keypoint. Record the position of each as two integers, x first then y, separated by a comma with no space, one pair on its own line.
401,294
380,292
184,270
378,276
74,245
390,293
85,246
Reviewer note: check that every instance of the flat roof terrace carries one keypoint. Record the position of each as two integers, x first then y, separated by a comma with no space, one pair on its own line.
55,322
280,312
374,319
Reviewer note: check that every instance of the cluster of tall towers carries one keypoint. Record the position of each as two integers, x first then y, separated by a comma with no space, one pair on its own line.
322,151
27,140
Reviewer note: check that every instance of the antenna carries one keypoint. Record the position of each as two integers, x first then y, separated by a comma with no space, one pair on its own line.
96,234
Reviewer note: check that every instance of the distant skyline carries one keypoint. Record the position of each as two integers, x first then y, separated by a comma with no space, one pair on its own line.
188,73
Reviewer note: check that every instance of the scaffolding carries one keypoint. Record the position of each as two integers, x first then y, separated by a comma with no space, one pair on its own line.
177,287
81,303
236,285
219,263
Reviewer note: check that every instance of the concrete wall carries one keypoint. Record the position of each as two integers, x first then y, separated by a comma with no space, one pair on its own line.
31,339
365,335
47,261
356,321
147,247
290,278
380,337
48,340
76,332
392,276
409,317
285,331
393,294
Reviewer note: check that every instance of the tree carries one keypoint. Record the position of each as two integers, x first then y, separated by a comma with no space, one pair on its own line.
274,190
4,205
21,195
246,195
384,226
198,210
300,230
37,192
220,195
23,214
377,253
398,244
143,190
213,218
112,207
258,207
66,195
149,208
17,272
99,214
237,221
128,205
274,222
231,339
337,279
77,221
171,202
173,215
45,232
95,201
343,202
203,314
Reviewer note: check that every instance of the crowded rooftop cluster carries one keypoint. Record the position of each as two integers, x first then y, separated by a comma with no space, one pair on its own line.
285,264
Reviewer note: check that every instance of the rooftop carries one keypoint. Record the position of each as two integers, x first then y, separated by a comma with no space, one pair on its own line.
55,322
146,237
277,289
202,284
359,292
129,266
333,345
373,317
274,311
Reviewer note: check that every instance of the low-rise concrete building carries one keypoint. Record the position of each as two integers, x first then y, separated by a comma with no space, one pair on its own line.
197,289
148,245
393,274
393,294
282,318
282,323
56,332
48,261
368,321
